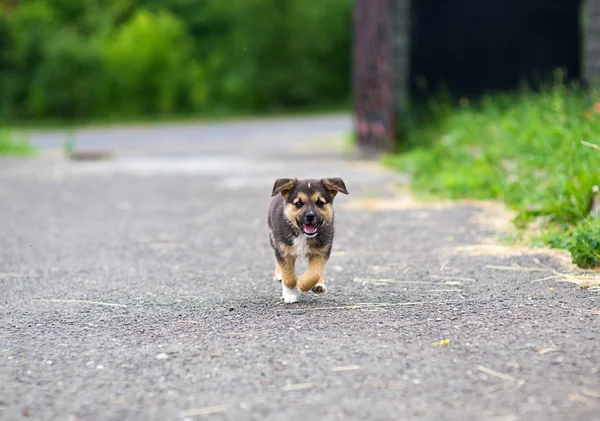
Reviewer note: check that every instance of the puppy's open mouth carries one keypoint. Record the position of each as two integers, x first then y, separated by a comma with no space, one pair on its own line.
310,230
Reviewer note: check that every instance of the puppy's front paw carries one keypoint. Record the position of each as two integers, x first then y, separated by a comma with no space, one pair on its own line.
290,295
319,289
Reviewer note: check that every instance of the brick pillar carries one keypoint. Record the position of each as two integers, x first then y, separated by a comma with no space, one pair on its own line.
591,42
373,68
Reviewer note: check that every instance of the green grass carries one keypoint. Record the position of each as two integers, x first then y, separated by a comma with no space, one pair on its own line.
523,148
9,145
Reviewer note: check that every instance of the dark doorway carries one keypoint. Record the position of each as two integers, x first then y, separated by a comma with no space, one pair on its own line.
475,46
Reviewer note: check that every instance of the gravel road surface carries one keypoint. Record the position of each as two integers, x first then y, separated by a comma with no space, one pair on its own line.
140,288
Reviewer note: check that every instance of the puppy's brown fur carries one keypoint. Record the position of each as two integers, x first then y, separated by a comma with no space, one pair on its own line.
301,226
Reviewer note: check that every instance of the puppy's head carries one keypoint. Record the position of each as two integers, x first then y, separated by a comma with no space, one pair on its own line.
309,202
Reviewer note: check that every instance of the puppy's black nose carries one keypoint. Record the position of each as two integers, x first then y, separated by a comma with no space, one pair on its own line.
310,217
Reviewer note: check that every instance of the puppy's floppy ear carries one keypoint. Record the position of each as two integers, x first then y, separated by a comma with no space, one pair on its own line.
334,185
283,186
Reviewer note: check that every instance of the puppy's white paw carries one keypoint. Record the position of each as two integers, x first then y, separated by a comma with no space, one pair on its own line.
289,295
319,289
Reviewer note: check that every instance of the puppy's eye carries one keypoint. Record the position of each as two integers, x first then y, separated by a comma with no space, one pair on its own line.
320,203
298,204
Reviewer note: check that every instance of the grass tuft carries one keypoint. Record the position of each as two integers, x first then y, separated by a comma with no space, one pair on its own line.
9,145
524,148
584,243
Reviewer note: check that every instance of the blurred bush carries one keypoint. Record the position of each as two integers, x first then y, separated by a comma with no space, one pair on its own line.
149,65
127,58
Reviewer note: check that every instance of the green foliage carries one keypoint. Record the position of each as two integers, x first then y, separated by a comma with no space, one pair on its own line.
27,28
150,64
584,243
11,146
72,63
524,148
284,52
74,59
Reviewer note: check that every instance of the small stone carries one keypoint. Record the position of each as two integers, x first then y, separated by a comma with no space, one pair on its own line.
162,356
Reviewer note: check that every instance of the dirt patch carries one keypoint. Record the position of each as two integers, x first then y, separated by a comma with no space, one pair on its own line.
493,216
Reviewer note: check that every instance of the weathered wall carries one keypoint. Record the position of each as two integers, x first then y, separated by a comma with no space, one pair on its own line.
591,42
473,46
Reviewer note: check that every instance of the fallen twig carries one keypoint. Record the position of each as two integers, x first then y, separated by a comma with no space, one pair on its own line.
547,350
99,303
12,275
515,268
567,277
455,278
591,393
207,410
166,246
576,397
496,373
347,368
546,278
591,145
384,281
299,386
371,305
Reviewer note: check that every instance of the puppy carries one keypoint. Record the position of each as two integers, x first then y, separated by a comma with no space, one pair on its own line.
301,226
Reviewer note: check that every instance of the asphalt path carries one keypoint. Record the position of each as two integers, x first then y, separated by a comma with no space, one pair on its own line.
140,288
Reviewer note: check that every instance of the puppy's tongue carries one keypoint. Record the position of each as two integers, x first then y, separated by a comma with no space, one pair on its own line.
309,228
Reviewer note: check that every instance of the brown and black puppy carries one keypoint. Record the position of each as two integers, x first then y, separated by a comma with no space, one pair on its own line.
301,226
